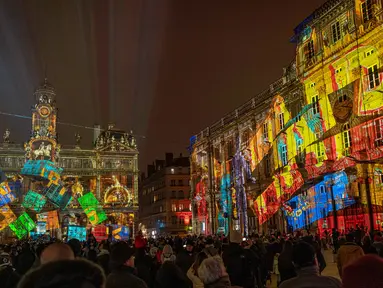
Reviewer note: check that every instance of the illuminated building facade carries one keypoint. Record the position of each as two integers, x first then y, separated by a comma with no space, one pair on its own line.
307,152
165,197
109,171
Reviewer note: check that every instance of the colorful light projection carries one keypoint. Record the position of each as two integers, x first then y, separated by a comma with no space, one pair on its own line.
6,216
41,228
92,209
278,192
51,218
22,225
100,232
58,194
6,195
42,168
307,208
76,232
120,232
34,201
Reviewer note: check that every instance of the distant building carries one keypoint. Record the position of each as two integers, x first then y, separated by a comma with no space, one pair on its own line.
164,197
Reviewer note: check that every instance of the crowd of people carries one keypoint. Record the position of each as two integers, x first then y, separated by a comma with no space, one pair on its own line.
192,262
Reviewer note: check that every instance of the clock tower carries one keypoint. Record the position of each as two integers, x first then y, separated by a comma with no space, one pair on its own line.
43,142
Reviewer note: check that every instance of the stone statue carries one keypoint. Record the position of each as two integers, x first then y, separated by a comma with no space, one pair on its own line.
78,139
6,136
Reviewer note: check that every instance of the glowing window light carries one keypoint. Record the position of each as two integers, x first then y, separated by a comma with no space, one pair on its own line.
34,201
22,225
92,209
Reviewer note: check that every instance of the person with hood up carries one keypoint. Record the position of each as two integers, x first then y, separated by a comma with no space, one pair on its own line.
213,273
348,253
304,259
167,254
122,267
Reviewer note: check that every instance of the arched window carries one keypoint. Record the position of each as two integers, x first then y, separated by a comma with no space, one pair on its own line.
346,136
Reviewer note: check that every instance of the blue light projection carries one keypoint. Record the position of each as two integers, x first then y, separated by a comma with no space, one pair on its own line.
306,208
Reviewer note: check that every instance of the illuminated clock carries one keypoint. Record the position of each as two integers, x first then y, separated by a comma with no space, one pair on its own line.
342,109
44,111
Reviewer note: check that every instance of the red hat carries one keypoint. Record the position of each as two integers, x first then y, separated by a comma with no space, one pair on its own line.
366,272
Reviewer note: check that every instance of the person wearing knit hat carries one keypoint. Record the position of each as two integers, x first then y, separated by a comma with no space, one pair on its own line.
366,272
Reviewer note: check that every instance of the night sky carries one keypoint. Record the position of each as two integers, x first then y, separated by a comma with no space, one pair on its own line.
164,68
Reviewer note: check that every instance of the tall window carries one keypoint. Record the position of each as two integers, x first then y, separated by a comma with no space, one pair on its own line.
180,194
310,49
284,155
300,150
180,182
366,10
172,182
373,76
319,148
174,220
322,189
315,104
181,207
174,207
174,195
335,32
379,132
281,119
346,136
265,131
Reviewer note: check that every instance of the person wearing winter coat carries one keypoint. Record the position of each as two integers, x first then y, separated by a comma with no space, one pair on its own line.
186,257
304,259
348,253
285,262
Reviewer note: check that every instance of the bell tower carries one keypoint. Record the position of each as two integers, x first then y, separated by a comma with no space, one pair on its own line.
43,142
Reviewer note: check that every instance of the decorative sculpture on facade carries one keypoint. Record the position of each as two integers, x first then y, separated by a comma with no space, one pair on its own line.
6,136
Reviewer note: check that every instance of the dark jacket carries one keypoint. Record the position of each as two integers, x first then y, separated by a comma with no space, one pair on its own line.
185,260
285,266
8,278
124,278
240,265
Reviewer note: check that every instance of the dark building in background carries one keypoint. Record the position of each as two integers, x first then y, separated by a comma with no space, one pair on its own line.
164,196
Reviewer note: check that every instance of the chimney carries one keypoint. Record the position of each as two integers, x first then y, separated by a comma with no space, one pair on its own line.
169,159
96,132
151,170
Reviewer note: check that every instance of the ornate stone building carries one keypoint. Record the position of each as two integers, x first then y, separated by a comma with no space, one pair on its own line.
307,152
109,170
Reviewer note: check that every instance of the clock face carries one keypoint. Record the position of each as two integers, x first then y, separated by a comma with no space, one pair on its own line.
44,111
342,109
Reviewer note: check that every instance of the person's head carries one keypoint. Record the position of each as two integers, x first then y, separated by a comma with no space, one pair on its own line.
167,254
199,258
364,272
304,255
65,273
121,255
350,237
189,245
209,242
153,252
211,270
75,245
366,241
171,276
24,262
56,252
